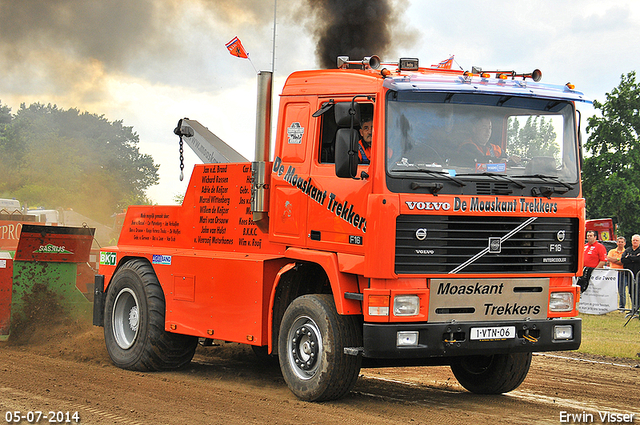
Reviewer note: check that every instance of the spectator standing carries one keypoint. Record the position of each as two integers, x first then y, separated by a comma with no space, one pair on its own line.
595,254
595,257
631,256
631,259
613,258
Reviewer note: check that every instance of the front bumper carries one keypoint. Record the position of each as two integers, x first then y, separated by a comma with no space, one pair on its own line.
453,339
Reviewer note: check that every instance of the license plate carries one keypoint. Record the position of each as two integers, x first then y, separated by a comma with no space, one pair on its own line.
498,332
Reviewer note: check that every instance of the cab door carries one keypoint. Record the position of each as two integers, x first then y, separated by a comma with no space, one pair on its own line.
337,216
288,204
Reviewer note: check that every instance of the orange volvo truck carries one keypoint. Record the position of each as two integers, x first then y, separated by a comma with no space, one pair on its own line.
453,240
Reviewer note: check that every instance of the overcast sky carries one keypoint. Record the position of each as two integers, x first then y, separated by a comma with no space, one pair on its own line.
152,62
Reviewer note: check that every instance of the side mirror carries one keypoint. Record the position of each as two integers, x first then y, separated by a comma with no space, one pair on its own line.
580,154
347,153
344,111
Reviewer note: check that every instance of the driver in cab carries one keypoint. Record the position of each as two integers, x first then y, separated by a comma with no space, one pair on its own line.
478,143
479,149
364,146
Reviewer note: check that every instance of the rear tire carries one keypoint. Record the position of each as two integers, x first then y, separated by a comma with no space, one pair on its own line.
134,323
495,374
311,349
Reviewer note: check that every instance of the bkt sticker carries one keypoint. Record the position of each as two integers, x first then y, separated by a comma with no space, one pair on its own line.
164,260
108,258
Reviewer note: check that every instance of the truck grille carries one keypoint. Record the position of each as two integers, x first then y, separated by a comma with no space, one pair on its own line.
457,244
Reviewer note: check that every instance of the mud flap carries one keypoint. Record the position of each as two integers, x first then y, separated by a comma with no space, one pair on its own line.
583,281
98,301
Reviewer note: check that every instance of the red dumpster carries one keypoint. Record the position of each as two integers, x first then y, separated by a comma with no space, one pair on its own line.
6,274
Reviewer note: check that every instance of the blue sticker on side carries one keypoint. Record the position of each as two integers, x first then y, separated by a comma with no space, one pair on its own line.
499,167
162,259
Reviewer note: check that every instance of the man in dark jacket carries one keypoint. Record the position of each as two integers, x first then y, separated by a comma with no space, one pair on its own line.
631,256
631,260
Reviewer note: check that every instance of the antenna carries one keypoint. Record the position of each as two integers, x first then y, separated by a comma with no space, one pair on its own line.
273,58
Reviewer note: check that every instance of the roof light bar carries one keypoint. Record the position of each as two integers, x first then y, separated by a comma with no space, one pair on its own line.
535,75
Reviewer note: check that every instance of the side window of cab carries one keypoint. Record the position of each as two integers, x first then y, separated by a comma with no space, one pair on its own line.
329,127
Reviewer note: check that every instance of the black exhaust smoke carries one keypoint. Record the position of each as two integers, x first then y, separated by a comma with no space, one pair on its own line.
354,28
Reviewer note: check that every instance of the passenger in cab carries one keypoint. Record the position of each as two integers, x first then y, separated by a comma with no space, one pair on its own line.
364,146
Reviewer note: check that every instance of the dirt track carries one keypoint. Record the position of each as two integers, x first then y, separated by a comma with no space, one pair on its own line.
67,369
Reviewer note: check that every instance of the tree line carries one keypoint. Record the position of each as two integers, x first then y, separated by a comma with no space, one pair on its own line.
57,158
611,172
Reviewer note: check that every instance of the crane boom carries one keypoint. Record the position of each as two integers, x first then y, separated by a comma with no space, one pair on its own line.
209,147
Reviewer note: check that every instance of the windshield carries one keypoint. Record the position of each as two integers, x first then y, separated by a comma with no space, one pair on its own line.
478,135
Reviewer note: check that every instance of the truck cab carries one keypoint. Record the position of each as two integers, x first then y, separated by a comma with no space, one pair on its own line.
432,221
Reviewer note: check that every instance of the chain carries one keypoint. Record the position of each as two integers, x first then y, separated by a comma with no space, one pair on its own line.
181,160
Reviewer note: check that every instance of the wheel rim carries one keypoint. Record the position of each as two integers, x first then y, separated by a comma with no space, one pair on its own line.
125,318
304,347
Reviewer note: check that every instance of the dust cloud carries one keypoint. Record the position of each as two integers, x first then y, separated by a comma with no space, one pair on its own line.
72,48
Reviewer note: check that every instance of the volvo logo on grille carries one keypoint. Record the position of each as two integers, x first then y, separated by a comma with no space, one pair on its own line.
421,234
495,246
560,235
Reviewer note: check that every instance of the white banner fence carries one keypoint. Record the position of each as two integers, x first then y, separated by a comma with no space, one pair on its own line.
603,295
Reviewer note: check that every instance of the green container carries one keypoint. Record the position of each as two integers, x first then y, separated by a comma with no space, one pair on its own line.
45,269
44,291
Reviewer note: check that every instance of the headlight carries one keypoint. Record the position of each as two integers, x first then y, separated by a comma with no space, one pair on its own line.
406,305
561,301
563,332
407,338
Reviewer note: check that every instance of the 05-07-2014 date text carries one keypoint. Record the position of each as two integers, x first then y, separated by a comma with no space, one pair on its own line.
34,417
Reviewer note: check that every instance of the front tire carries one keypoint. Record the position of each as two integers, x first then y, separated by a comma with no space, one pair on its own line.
134,323
495,374
311,349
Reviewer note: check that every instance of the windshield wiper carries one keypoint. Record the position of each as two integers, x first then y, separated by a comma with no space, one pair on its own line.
490,174
545,177
431,172
547,191
434,187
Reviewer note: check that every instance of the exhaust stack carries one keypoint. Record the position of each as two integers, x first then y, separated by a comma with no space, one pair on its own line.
259,170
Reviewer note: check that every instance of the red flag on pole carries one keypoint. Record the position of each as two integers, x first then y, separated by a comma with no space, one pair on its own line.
446,64
236,48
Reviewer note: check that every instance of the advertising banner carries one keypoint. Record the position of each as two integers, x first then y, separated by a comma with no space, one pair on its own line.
601,296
